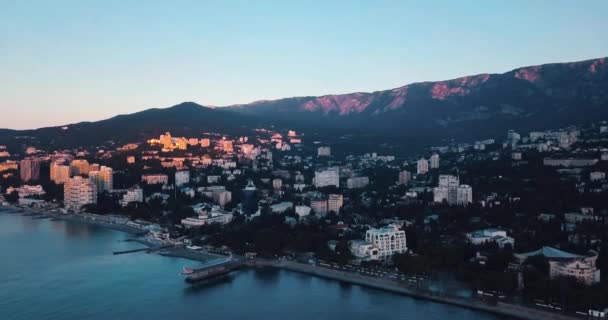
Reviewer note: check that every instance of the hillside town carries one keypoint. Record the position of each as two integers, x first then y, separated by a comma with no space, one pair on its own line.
522,218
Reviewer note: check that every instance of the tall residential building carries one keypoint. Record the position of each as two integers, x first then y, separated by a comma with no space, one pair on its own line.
335,203
422,166
319,206
389,240
60,173
324,151
434,161
404,177
182,178
79,167
205,142
464,195
447,189
103,179
277,184
166,140
30,169
327,177
77,192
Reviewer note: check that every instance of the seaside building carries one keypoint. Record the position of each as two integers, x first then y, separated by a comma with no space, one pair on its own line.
79,191
135,194
388,240
564,264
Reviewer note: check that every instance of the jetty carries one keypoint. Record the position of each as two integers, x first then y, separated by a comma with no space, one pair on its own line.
146,250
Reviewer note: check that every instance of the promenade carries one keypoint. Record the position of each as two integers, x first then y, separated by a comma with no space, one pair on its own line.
501,308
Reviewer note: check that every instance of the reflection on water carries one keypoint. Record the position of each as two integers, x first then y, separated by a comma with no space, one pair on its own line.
202,286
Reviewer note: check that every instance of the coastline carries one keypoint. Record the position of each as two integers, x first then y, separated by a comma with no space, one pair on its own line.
499,308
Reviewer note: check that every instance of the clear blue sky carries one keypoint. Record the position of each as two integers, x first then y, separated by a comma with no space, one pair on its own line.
68,61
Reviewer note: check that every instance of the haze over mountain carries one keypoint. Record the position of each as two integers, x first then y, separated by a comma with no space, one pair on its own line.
478,106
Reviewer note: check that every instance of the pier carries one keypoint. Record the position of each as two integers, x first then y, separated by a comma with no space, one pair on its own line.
146,250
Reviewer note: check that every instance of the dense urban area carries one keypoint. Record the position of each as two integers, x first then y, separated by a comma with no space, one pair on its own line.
522,219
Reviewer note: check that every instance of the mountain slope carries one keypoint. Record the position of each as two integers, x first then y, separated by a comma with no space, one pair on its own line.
487,104
187,118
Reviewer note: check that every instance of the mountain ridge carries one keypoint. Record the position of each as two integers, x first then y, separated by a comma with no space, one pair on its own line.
469,107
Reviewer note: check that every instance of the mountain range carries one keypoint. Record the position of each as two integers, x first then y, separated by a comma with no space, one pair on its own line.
478,106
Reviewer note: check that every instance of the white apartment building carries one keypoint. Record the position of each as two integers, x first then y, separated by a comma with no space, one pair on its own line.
447,189
327,177
155,178
357,182
497,236
77,192
335,203
182,178
404,177
434,161
133,195
324,151
422,166
389,240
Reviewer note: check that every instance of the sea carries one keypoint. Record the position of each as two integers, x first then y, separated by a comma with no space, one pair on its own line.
66,270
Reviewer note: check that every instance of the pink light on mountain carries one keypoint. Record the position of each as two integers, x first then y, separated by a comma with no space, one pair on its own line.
597,64
344,104
531,74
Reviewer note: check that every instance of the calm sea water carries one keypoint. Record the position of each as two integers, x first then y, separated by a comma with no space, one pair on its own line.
60,270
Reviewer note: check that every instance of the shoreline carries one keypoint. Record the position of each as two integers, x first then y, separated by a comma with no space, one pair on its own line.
499,308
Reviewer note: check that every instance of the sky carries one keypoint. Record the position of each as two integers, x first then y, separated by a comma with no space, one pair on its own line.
67,61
